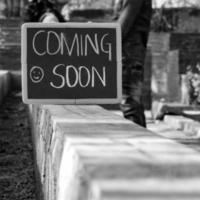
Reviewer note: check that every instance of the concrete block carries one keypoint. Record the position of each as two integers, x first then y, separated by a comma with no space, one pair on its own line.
188,126
159,42
137,189
7,35
10,57
173,78
159,75
15,80
177,122
162,128
162,108
86,152
192,113
165,76
5,84
113,161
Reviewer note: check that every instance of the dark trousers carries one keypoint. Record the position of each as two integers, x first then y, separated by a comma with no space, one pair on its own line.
132,79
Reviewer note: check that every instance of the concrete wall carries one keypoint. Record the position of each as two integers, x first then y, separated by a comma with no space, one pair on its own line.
165,82
147,93
186,43
9,80
5,84
10,49
88,153
165,79
10,58
172,53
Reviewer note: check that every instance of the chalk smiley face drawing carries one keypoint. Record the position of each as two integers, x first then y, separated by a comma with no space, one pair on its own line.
36,74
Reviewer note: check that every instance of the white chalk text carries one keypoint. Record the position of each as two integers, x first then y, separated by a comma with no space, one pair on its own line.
73,76
77,45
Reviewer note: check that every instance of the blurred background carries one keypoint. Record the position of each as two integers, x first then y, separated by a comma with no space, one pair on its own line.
171,95
173,56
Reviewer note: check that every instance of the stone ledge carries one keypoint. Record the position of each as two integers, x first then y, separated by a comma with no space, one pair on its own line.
5,84
86,152
160,109
15,79
189,126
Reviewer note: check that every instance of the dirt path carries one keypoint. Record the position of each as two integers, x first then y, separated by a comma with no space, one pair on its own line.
17,180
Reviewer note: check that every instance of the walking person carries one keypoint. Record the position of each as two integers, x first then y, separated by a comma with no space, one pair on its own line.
134,17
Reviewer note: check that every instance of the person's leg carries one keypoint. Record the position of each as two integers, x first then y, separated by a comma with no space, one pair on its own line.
131,105
133,71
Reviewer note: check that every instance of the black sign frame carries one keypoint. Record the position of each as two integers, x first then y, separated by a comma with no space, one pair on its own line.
114,94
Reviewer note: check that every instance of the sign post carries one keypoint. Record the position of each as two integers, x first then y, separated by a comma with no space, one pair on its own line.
71,63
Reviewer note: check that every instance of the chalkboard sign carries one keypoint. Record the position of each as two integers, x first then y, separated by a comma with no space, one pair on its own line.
71,63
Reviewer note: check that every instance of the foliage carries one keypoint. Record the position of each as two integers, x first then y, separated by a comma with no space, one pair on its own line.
169,13
159,22
193,79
